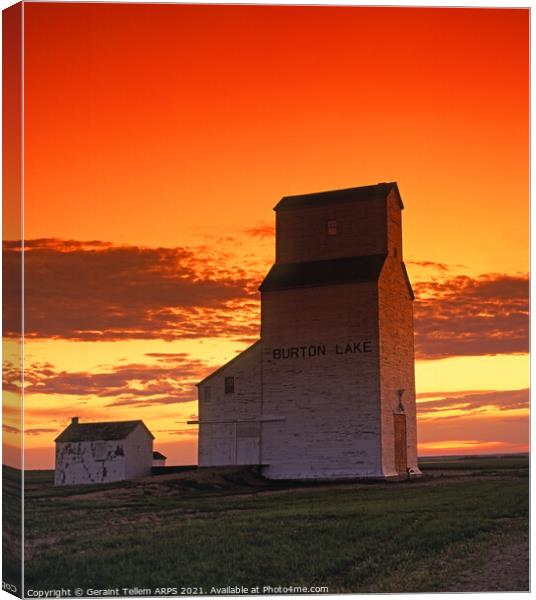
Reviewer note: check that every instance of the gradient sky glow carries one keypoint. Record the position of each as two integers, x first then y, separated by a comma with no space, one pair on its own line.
159,137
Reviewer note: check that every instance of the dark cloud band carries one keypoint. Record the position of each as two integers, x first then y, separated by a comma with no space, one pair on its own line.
97,291
464,316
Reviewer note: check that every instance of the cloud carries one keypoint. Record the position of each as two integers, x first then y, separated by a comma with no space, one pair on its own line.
56,244
454,405
463,316
99,291
39,431
428,264
96,290
474,422
170,380
10,429
510,430
421,395
262,231
467,447
191,431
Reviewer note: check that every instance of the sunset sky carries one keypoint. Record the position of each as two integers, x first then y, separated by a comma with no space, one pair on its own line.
158,139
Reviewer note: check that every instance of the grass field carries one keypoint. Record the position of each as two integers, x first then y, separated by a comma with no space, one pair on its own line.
11,526
230,528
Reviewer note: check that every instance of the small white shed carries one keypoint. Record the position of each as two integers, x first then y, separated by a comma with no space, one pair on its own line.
103,452
159,460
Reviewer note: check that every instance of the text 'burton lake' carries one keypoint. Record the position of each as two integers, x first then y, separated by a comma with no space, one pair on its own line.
321,350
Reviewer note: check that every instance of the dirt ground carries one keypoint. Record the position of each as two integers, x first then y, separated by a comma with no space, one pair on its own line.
503,567
237,480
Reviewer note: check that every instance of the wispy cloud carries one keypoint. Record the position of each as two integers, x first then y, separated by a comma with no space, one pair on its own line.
462,316
10,429
428,264
466,446
264,230
473,422
97,291
454,405
170,380
39,431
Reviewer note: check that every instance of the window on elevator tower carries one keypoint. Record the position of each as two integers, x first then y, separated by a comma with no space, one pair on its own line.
332,227
229,385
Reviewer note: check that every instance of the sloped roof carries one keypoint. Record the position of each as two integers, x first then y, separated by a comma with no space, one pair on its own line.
366,192
158,456
233,360
352,269
107,430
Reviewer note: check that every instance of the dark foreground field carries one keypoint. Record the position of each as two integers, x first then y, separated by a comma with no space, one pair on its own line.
463,527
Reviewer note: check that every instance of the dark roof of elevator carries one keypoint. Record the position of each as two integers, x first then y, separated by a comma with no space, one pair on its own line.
379,191
92,432
353,269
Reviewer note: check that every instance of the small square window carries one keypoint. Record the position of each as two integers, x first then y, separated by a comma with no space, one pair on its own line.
229,385
332,227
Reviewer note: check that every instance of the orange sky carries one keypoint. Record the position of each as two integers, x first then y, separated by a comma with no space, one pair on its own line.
180,127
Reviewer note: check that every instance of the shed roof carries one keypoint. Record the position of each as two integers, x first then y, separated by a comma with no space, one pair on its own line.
107,430
365,192
352,269
158,456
